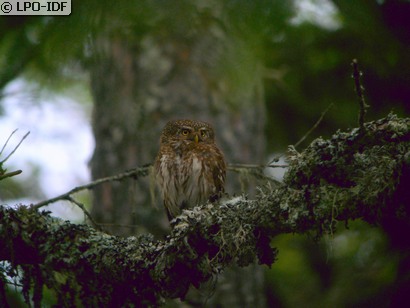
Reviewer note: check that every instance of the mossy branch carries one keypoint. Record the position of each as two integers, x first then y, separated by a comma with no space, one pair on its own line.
350,176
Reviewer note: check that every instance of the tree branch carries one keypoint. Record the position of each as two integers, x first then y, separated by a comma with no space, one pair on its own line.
16,147
314,126
350,176
134,173
10,174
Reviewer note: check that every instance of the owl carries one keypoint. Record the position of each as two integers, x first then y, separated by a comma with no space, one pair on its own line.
189,168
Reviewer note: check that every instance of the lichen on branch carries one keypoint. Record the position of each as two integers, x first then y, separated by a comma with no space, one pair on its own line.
352,175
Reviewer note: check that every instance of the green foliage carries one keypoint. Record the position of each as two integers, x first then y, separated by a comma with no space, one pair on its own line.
312,63
356,261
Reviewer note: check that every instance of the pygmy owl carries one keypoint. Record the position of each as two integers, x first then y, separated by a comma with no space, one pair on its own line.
190,169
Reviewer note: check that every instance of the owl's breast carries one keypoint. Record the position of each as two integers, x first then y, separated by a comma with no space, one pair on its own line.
195,180
189,177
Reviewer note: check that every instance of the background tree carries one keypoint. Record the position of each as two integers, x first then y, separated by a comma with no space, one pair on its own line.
232,63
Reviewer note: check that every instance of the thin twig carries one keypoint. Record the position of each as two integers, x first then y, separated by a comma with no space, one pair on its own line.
359,90
135,173
276,159
12,152
7,141
314,126
10,174
82,207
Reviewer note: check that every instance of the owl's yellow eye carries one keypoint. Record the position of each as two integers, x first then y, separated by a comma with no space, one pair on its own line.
185,132
203,133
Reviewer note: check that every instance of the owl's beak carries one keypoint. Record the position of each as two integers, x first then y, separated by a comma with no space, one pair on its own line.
196,138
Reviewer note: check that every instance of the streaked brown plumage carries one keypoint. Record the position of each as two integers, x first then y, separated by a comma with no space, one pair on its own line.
189,168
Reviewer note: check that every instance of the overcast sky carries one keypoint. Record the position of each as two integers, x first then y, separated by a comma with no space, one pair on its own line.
60,143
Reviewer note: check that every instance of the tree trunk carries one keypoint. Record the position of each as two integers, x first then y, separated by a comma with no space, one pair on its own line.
137,88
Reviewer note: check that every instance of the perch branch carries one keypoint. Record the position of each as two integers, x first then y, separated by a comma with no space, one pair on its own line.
315,194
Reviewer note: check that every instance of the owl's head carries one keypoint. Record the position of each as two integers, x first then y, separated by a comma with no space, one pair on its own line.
188,131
